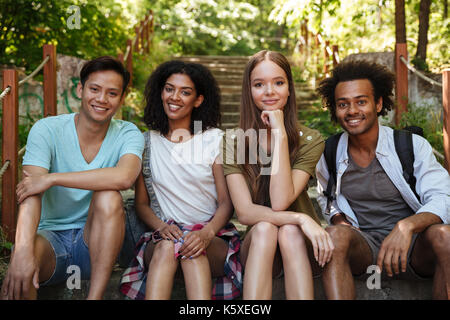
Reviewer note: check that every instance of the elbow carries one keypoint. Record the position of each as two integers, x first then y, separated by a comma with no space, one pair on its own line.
126,181
243,216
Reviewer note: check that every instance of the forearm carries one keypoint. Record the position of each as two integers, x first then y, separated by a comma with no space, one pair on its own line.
252,214
281,188
113,178
220,219
419,222
27,223
148,216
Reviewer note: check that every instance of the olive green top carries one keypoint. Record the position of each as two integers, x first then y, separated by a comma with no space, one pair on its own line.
311,148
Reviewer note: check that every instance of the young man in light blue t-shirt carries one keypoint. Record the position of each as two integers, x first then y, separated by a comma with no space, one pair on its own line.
70,208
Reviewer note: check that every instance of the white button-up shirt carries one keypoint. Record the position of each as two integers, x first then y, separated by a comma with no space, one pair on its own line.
433,181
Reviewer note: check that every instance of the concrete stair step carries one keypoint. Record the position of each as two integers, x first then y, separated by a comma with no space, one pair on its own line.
389,290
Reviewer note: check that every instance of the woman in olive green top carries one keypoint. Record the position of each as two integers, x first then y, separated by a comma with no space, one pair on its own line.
268,162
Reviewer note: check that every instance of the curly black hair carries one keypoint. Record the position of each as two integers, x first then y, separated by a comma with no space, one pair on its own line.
381,78
205,84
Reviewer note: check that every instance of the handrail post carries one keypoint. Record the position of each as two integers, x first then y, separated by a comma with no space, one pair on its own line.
335,54
307,49
142,35
401,81
326,57
10,140
446,106
129,61
147,33
136,45
50,102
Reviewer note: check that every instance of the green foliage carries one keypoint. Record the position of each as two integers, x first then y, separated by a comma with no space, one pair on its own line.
5,252
367,26
429,120
27,25
217,27
316,117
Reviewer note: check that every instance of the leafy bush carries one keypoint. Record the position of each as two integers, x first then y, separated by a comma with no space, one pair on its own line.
316,117
429,120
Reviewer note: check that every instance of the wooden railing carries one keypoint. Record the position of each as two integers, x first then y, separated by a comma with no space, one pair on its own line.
314,45
10,98
401,94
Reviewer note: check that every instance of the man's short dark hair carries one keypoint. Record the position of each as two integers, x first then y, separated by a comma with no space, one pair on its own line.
105,63
381,78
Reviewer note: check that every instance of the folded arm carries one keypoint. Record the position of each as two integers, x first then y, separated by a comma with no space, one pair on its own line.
120,177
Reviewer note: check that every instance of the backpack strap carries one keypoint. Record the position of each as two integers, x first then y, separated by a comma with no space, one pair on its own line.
405,151
147,173
330,157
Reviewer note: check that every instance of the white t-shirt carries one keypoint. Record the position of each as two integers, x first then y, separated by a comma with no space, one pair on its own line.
183,179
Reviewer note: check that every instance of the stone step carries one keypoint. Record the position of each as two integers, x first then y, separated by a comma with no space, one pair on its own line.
389,290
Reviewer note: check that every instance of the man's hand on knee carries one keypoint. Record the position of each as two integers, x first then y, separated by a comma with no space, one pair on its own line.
394,249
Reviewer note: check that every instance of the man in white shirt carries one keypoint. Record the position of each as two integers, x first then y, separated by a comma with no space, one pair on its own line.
376,217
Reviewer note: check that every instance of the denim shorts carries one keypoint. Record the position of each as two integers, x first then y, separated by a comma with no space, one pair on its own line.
70,250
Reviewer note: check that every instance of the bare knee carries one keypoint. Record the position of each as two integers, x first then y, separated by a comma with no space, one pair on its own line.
341,237
439,237
107,204
289,235
164,252
264,233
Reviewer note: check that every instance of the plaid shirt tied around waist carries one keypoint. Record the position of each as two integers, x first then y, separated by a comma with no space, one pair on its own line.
228,287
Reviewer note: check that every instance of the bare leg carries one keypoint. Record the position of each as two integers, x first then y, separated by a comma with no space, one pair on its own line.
197,278
351,255
297,268
162,268
437,260
217,254
104,232
257,254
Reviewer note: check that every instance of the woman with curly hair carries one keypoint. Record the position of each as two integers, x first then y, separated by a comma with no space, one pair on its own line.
181,194
269,188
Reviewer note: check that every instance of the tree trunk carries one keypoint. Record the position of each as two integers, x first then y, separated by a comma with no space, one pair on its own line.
400,28
424,17
445,2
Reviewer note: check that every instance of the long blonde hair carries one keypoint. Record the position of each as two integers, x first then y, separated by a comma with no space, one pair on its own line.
250,118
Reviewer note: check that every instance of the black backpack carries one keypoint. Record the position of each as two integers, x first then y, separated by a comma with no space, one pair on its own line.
403,147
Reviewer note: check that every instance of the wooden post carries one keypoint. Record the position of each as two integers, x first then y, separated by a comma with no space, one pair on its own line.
142,34
50,104
335,55
136,45
10,140
120,57
446,106
147,34
300,46
130,61
326,57
401,81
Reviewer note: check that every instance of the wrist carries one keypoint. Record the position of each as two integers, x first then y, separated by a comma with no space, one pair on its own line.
405,225
209,232
301,218
51,179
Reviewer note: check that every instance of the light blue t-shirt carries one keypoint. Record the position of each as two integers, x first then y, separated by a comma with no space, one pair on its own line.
53,144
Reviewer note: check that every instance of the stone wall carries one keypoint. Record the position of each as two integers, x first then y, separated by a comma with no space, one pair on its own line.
31,99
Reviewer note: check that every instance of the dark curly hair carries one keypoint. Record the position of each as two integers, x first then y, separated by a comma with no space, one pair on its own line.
381,78
205,84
